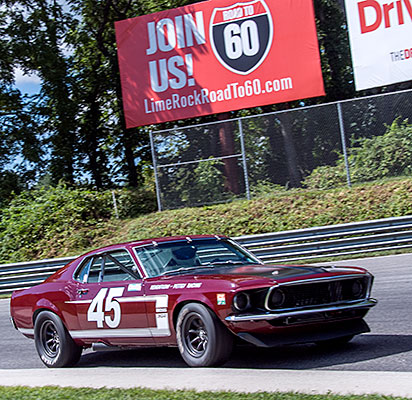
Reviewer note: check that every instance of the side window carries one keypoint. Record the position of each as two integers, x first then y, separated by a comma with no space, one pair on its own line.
119,266
94,270
89,271
83,272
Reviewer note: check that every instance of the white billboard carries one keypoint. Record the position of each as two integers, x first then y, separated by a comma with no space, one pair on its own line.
380,35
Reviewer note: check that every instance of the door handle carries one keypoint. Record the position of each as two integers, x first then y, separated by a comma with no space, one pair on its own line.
82,291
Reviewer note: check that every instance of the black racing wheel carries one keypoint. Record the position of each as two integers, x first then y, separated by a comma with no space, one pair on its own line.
54,345
202,339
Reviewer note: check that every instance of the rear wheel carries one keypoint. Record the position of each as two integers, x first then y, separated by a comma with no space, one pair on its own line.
54,345
202,339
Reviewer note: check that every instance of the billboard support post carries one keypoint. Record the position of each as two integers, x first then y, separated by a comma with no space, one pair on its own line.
343,140
159,201
242,146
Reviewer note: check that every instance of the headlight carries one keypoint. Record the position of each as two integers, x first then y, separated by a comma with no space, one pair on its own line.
357,289
241,301
276,299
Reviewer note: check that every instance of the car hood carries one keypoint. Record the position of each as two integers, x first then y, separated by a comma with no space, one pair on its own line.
246,274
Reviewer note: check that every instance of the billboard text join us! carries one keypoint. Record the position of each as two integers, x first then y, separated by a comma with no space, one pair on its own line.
217,56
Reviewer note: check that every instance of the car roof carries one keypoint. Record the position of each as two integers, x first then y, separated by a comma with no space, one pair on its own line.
143,242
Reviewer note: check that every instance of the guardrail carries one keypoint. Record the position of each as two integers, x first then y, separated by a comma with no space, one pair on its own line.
332,240
278,247
27,274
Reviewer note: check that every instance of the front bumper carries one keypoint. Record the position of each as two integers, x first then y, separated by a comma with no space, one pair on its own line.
308,334
269,316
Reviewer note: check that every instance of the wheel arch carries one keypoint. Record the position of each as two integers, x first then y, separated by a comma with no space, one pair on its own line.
205,302
47,305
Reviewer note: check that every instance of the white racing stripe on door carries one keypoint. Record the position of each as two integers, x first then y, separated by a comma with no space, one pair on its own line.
162,328
78,301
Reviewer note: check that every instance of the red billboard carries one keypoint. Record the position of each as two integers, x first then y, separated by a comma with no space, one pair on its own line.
217,56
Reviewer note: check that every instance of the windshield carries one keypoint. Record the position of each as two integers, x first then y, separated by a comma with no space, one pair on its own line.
174,257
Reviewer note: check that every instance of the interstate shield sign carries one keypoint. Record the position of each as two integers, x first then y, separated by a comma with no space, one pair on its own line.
241,35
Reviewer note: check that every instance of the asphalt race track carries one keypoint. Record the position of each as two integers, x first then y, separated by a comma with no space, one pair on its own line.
387,348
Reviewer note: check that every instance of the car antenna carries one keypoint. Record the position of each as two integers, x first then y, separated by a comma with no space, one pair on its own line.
155,244
189,240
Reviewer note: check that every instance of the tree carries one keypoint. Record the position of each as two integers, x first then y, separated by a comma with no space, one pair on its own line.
20,151
37,30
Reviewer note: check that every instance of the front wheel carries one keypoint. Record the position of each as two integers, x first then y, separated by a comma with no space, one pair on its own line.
202,339
53,343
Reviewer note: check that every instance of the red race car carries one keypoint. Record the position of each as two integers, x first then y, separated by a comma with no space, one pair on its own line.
201,293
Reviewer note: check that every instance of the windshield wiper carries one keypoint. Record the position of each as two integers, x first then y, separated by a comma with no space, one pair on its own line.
182,269
227,262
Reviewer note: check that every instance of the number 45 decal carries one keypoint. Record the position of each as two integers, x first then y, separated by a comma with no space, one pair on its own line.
96,312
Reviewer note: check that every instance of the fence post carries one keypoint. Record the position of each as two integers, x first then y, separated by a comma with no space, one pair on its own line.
116,212
343,139
242,148
159,201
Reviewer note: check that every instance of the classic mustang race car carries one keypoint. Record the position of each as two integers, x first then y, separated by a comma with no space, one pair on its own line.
201,293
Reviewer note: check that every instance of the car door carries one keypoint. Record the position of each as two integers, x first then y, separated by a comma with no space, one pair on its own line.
110,302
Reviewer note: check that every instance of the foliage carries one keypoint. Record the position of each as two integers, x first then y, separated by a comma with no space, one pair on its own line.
74,129
334,50
383,156
62,221
204,183
265,188
51,221
10,183
37,31
290,210
134,202
55,393
51,217
54,225
327,177
387,155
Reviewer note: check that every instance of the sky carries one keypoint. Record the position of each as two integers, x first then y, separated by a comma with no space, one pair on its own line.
27,84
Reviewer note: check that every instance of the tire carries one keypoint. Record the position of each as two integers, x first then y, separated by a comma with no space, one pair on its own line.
202,339
53,343
335,342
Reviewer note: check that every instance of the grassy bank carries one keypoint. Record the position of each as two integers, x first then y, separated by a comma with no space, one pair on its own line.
46,393
293,209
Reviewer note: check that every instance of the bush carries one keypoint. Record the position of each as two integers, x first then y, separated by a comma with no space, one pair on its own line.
266,188
134,202
383,156
388,155
326,177
59,220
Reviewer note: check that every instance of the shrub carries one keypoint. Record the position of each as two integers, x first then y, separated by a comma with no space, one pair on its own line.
326,177
388,155
56,220
383,156
134,202
266,188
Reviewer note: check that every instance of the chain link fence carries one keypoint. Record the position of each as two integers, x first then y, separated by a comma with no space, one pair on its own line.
320,147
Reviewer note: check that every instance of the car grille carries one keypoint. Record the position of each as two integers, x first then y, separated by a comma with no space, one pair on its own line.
317,293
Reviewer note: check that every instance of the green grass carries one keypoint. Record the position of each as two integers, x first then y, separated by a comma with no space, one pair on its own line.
25,393
294,209
271,212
